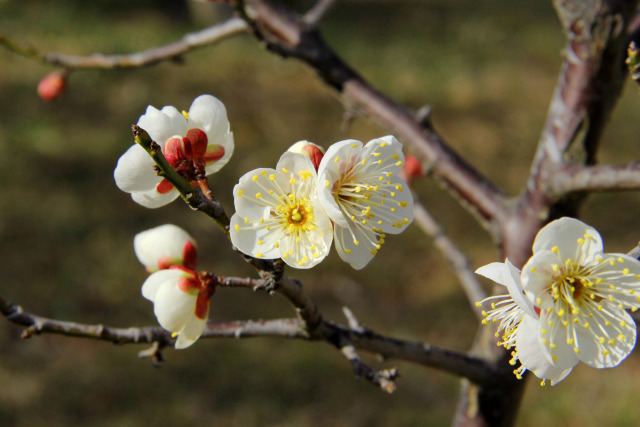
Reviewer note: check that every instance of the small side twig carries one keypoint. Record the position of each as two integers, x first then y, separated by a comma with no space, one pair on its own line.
318,11
169,52
384,378
578,178
457,259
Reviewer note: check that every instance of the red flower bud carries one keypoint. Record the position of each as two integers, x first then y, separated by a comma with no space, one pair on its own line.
314,152
52,86
412,168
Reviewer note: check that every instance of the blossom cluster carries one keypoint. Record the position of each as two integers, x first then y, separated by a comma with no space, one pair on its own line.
180,296
567,305
196,143
351,195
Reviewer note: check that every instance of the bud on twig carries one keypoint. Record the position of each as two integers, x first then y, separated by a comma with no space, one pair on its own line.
52,86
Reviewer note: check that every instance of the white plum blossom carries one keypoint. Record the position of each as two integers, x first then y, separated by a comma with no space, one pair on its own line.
582,294
278,214
196,143
360,190
180,302
578,295
518,324
180,296
164,246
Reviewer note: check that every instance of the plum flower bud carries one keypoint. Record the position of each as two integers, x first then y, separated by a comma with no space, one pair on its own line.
52,86
181,301
161,247
196,144
313,151
412,168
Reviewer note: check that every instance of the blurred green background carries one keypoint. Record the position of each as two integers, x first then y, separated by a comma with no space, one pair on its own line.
488,68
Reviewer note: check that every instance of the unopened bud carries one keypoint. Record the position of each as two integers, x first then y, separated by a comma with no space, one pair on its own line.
309,149
52,86
412,168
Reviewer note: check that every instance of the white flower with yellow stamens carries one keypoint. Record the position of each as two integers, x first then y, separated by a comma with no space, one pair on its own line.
568,304
518,324
360,190
582,294
278,214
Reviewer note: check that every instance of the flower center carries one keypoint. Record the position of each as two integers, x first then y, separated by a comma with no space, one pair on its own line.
296,215
571,285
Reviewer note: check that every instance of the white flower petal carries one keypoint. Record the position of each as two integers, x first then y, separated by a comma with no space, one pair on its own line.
191,331
537,276
564,234
496,271
225,141
337,160
161,245
246,239
555,339
163,124
619,340
358,256
152,199
253,196
534,356
209,114
134,171
173,307
296,162
156,280
508,275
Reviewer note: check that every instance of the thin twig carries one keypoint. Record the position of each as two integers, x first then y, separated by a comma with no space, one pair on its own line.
318,11
169,52
457,259
575,178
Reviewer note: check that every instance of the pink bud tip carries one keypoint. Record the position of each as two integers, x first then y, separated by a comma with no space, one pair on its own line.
412,168
313,151
52,86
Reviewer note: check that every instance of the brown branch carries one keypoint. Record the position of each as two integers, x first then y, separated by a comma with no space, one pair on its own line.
450,361
169,52
589,84
289,36
318,11
457,259
573,178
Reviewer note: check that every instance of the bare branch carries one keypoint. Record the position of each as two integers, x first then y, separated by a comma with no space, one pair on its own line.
596,178
289,36
457,259
169,52
589,84
471,367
